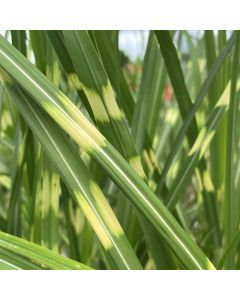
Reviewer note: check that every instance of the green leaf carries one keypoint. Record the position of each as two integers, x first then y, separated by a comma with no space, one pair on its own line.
38,254
107,45
176,75
149,96
39,46
197,151
231,220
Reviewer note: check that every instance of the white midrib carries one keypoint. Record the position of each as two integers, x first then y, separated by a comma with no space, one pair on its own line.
9,264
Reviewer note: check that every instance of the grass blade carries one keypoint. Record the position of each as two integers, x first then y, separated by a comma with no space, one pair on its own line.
175,73
230,202
196,152
41,255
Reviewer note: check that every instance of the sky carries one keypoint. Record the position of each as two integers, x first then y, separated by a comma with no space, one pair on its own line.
133,42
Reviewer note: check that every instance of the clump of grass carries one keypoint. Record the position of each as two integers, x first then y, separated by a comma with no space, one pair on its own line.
112,164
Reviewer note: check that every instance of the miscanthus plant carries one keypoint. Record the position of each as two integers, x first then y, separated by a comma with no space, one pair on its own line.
107,163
